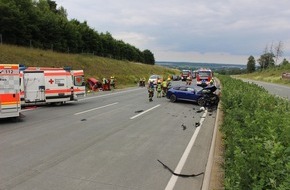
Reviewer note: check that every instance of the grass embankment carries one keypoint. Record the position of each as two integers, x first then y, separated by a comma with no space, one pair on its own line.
125,72
273,75
256,131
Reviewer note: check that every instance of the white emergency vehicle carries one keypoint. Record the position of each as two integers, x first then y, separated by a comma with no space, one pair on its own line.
51,85
9,91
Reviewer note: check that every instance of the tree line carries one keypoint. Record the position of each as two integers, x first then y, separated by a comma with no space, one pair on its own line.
41,24
268,59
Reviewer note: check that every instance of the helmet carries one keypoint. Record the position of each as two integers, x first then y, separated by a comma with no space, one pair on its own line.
169,79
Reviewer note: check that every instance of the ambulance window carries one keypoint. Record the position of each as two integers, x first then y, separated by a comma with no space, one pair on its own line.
79,81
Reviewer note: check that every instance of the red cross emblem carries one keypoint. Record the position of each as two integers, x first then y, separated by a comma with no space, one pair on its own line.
79,80
51,81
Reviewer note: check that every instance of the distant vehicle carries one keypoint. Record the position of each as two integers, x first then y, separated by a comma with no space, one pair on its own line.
201,96
203,77
175,77
185,74
154,79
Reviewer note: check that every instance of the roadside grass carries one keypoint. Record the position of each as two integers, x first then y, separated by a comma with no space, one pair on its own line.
272,75
126,73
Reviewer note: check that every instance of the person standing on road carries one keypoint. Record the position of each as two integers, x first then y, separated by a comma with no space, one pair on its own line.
150,91
112,82
164,88
159,89
188,80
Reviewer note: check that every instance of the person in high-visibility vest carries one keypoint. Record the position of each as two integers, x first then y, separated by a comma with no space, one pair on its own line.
159,89
164,88
211,82
112,82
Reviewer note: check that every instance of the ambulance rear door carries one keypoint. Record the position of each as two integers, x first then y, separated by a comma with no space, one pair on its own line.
34,86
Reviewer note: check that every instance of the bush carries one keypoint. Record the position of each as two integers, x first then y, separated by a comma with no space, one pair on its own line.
256,132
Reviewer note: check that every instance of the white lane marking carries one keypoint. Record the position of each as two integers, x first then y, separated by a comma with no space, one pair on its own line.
99,96
96,108
145,111
173,179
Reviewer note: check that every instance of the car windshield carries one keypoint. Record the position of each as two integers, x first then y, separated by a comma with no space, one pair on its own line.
198,88
154,77
185,72
204,73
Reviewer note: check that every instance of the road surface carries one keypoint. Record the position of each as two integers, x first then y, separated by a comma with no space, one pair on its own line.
115,140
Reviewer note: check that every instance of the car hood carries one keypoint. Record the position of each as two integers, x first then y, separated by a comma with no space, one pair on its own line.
210,88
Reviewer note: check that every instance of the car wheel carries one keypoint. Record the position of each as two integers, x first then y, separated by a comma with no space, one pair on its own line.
217,99
173,98
201,101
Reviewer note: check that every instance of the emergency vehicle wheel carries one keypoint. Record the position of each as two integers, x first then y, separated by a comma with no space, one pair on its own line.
58,103
173,98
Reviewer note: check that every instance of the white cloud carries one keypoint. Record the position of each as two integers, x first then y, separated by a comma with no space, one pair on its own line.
172,28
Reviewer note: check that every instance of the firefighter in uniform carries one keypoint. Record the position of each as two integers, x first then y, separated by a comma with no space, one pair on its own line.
150,91
211,82
112,82
188,80
105,84
164,88
168,83
159,89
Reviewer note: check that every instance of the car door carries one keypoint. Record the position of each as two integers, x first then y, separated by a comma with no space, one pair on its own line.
182,93
189,94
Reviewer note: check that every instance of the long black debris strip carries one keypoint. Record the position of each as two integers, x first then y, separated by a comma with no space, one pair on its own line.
180,175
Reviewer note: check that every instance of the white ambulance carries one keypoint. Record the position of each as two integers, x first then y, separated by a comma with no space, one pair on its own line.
51,85
9,91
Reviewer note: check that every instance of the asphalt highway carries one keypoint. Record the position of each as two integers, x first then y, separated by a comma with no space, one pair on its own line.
113,140
274,89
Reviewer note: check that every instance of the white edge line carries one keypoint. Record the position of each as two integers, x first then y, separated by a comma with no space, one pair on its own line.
173,179
145,111
96,108
210,160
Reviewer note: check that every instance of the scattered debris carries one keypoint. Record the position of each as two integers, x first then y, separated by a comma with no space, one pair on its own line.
197,124
184,126
201,109
139,111
84,120
180,175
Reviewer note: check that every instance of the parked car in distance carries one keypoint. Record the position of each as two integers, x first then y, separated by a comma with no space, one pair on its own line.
154,79
175,77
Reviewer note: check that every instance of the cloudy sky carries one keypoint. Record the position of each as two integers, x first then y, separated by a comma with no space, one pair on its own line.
208,31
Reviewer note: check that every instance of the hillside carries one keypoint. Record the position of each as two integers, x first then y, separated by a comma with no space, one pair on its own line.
125,72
